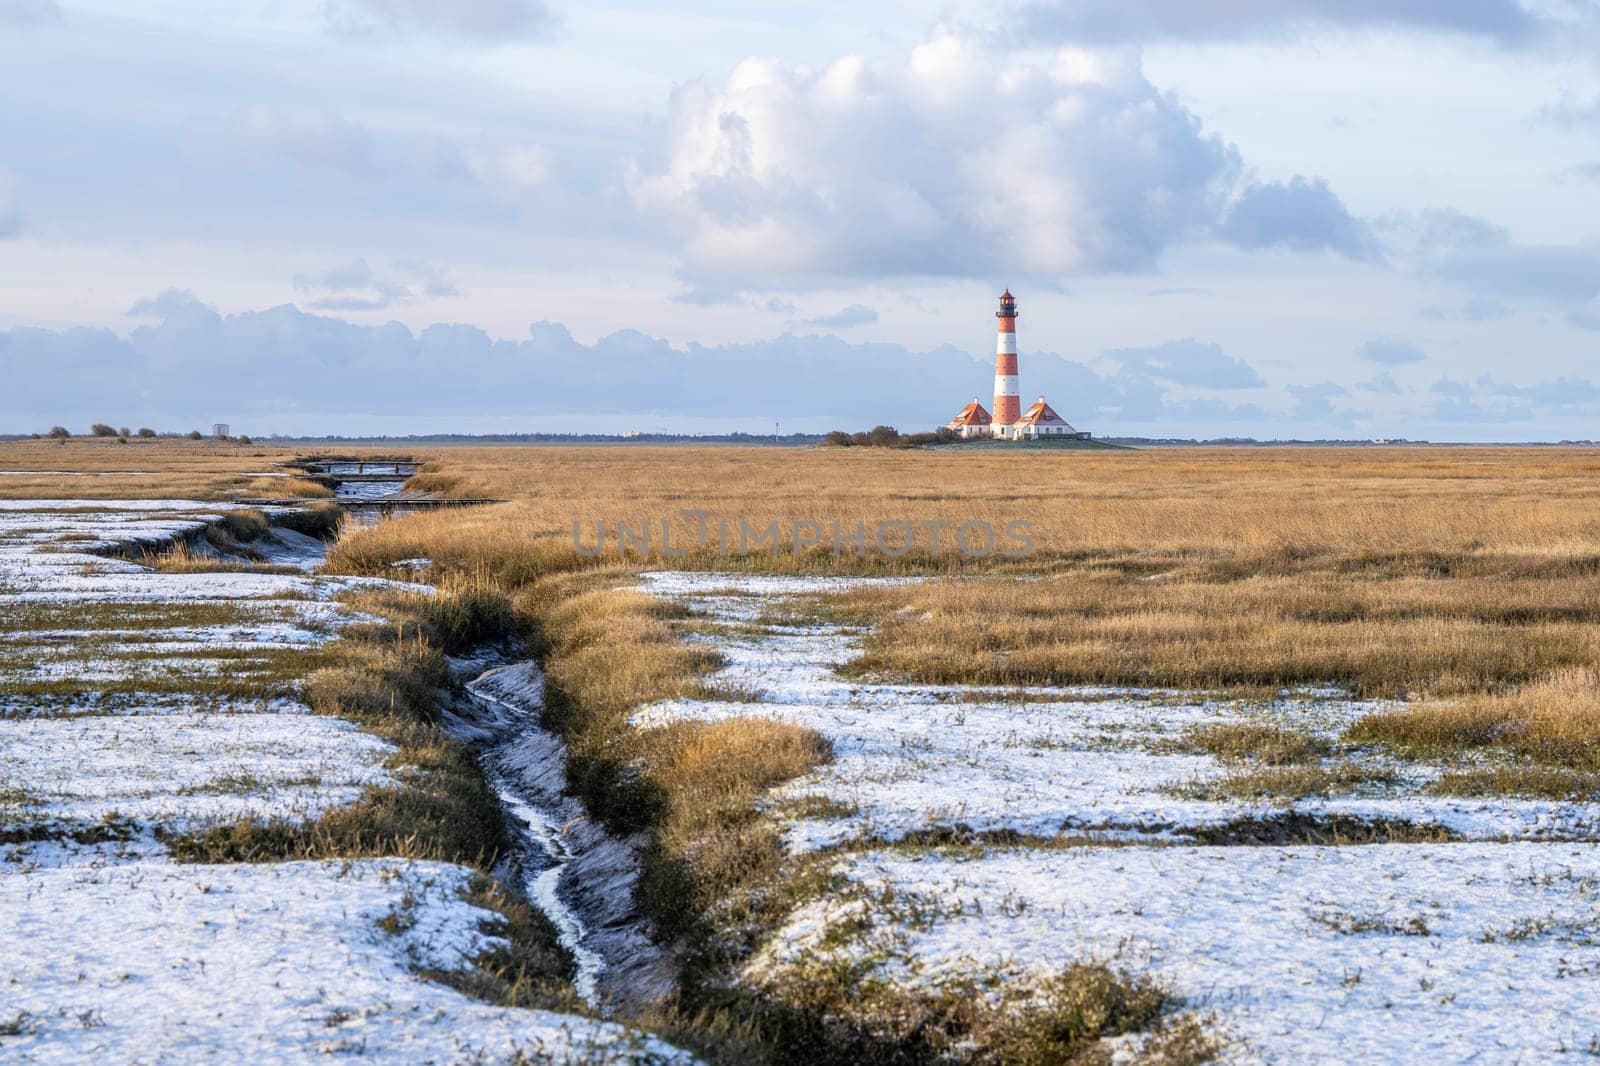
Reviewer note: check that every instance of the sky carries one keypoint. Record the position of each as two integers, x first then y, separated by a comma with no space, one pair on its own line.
1267,218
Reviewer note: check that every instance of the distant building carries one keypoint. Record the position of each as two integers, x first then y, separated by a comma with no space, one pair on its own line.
220,431
972,421
1009,421
1041,420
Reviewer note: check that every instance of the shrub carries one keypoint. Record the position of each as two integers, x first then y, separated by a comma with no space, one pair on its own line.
124,432
194,434
60,432
146,431
244,439
883,437
100,429
838,438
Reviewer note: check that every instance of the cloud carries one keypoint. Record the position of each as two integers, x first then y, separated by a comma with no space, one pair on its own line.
854,315
1585,171
1444,230
170,302
956,163
1118,21
483,19
354,286
1387,351
279,367
1484,260
353,275
1474,309
1314,403
1559,273
29,13
1189,362
1301,215
1382,382
1488,400
1572,113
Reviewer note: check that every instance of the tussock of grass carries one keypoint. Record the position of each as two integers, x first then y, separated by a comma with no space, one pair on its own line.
289,487
1261,742
433,480
245,524
1286,782
320,520
183,558
1546,782
843,1013
710,844
1555,719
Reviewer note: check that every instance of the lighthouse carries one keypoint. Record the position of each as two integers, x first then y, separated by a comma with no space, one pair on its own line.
1007,398
1009,421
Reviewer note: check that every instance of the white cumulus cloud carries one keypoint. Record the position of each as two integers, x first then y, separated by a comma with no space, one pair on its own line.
956,162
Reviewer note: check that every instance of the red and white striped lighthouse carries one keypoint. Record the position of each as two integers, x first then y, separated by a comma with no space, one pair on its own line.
1007,400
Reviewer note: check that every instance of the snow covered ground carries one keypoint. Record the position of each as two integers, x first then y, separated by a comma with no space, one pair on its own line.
1102,763
1483,952
167,760
1383,953
155,962
116,725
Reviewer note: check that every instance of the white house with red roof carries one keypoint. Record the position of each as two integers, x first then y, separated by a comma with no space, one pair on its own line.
971,421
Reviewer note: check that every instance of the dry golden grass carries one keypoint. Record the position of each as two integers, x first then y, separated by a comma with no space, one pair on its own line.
1288,510
298,488
1257,742
104,468
1426,573
1555,719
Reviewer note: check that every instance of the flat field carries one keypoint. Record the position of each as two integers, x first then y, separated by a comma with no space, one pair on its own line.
1203,651
1247,755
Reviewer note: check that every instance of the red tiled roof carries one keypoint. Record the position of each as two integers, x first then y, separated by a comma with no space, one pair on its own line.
1041,413
971,415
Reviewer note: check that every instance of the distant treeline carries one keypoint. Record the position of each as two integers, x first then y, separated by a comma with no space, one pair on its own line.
790,440
123,433
889,437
